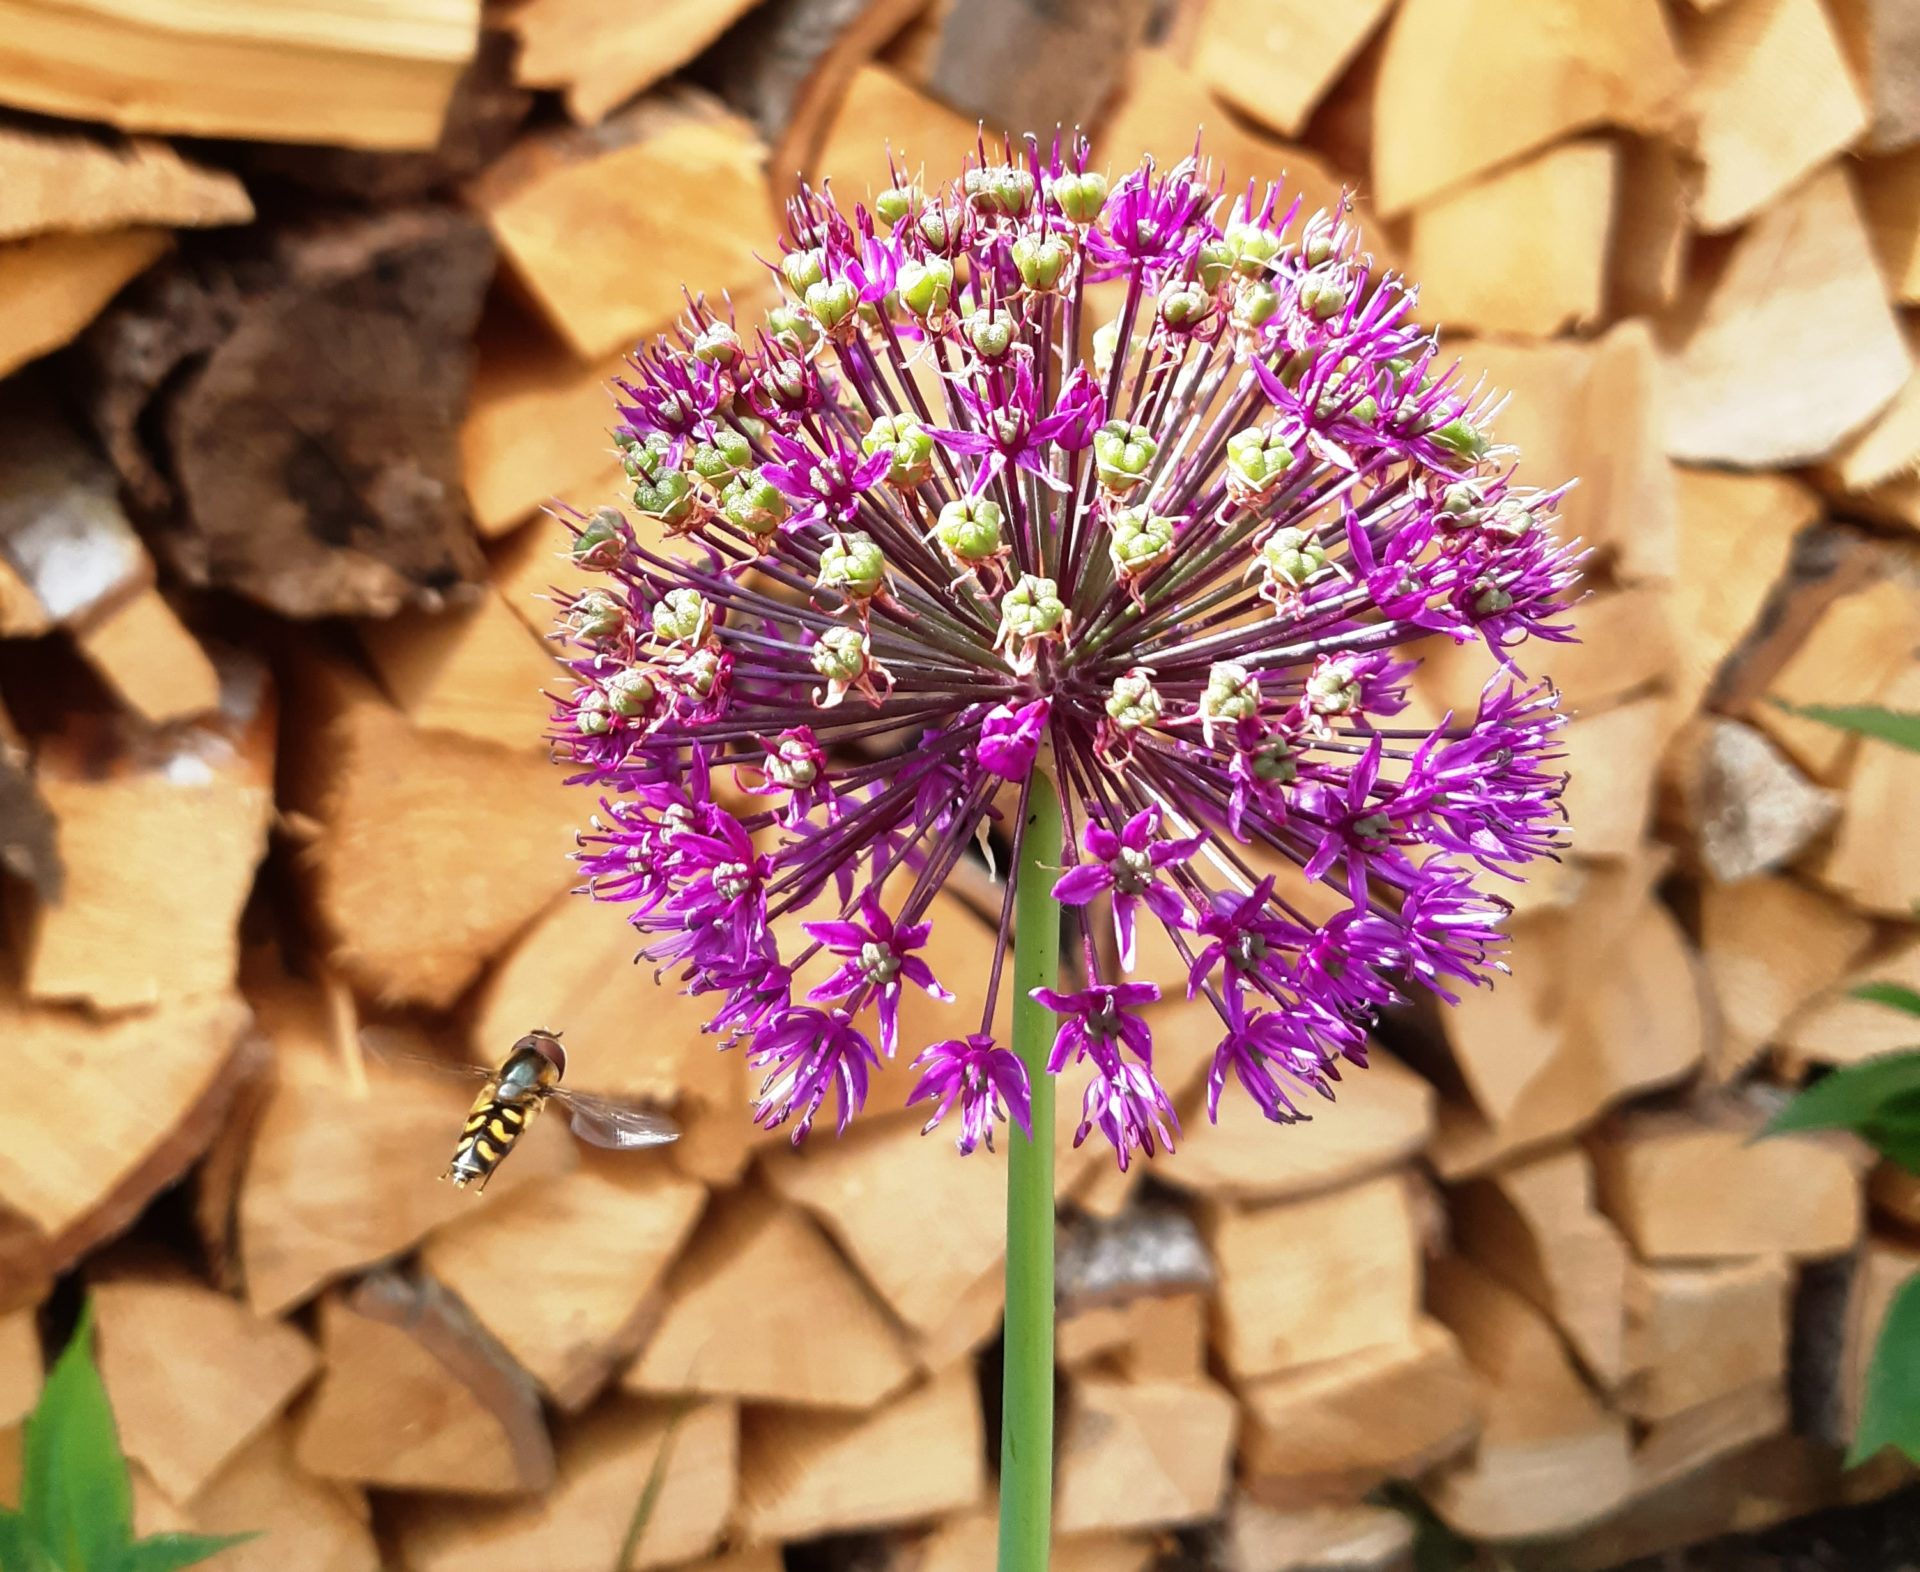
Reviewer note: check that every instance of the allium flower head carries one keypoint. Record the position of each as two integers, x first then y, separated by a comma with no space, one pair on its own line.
904,544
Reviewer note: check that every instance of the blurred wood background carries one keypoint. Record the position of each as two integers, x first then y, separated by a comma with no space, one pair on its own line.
307,310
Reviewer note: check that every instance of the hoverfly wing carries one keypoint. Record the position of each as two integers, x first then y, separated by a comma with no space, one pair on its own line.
614,1125
383,1044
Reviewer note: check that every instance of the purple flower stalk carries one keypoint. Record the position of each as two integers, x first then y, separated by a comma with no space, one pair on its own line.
902,546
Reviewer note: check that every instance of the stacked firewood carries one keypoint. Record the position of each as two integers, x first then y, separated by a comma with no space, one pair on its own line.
307,311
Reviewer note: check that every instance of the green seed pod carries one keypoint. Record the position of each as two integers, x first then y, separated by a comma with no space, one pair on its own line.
1490,600
717,345
718,460
1080,197
1258,456
753,503
1122,454
1255,304
601,542
926,288
1276,764
1134,702
682,616
631,692
1462,439
642,457
970,530
666,496
990,333
1000,188
1106,344
840,654
832,303
1254,247
895,203
1185,305
1290,557
1463,500
1141,541
853,565
908,443
1510,517
596,615
1232,693
1216,262
1294,369
1323,298
1333,690
803,269
1032,608
793,326
1040,261
590,717
699,672
935,229
791,764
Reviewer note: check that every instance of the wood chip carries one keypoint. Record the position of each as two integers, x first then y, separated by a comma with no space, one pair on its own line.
1651,224
1611,758
476,670
1890,194
1746,807
1337,1538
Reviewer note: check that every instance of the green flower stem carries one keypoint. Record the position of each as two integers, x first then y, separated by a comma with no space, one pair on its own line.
1026,1415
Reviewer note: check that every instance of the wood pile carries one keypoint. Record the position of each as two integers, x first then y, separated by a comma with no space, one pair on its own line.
305,313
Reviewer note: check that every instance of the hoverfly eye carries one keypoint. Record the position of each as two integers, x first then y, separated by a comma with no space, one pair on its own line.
548,1047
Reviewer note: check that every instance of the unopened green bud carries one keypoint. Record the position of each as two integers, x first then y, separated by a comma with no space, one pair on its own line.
596,615
791,764
631,691
1291,557
908,443
590,717
1462,500
832,303
1365,410
1254,247
753,503
1000,188
840,654
1184,305
1258,456
1141,540
1216,262
1509,517
1032,608
1275,763
895,203
935,229
717,345
990,333
926,287
1080,197
1255,304
969,530
1333,690
699,672
641,457
803,269
1134,702
1320,243
1040,260
682,616
1323,298
720,458
853,565
601,541
1491,600
793,326
1122,454
667,496
1232,693
1462,439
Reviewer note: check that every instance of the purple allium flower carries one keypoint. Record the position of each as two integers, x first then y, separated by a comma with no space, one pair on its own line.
899,547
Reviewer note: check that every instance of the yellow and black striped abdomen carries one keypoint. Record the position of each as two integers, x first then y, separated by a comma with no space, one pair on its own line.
492,1126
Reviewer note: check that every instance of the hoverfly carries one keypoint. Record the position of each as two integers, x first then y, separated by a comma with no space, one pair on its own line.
514,1094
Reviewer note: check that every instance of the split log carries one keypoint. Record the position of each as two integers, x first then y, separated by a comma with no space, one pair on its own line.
1167,1338
148,1091
1466,85
20,1366
1679,1447
378,77
970,1541
1325,1539
432,850
194,1377
1793,346
1033,64
563,1276
475,670
874,1189
417,1397
763,1309
1142,1454
1611,758
300,1524
1873,861
601,58
1743,805
919,1456
53,285
1634,505
1549,1458
361,325
881,118
29,839
1884,1269
1383,1119
1885,452
1834,1027
1772,99
68,180
151,661
1895,1194
1275,60
604,1462
676,182
1699,1332
1647,260
1770,946
1880,38
531,567
1626,645
1535,1227
1890,193
343,1171
1310,1280
1523,250
1331,1432
1683,1190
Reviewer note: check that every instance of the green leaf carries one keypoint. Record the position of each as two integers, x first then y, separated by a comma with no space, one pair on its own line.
1898,727
167,1552
1879,1098
19,1550
1891,1414
73,1489
1893,995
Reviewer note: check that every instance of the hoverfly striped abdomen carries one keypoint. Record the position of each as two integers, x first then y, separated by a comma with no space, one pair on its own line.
493,1124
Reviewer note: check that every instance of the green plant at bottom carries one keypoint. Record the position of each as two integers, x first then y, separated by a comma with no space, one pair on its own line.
76,1504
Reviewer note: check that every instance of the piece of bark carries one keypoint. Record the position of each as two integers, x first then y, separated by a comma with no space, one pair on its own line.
1792,347
71,181
216,1182
52,286
1890,194
344,1171
1383,1118
433,850
1650,227
1611,758
1333,1431
1700,1331
1274,60
1771,98
919,1456
1034,64
1466,85
791,66
1323,1539
1550,1458
1882,40
1309,1280
1681,1189
367,77
1150,1250
763,1309
1141,1454
541,1277
175,823
1836,1028
1524,249
475,670
605,1462
193,1376
608,227
29,838
1745,807
1873,860
1681,1446
151,661
880,119
303,401
297,1523
1535,1227
600,58
416,1396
